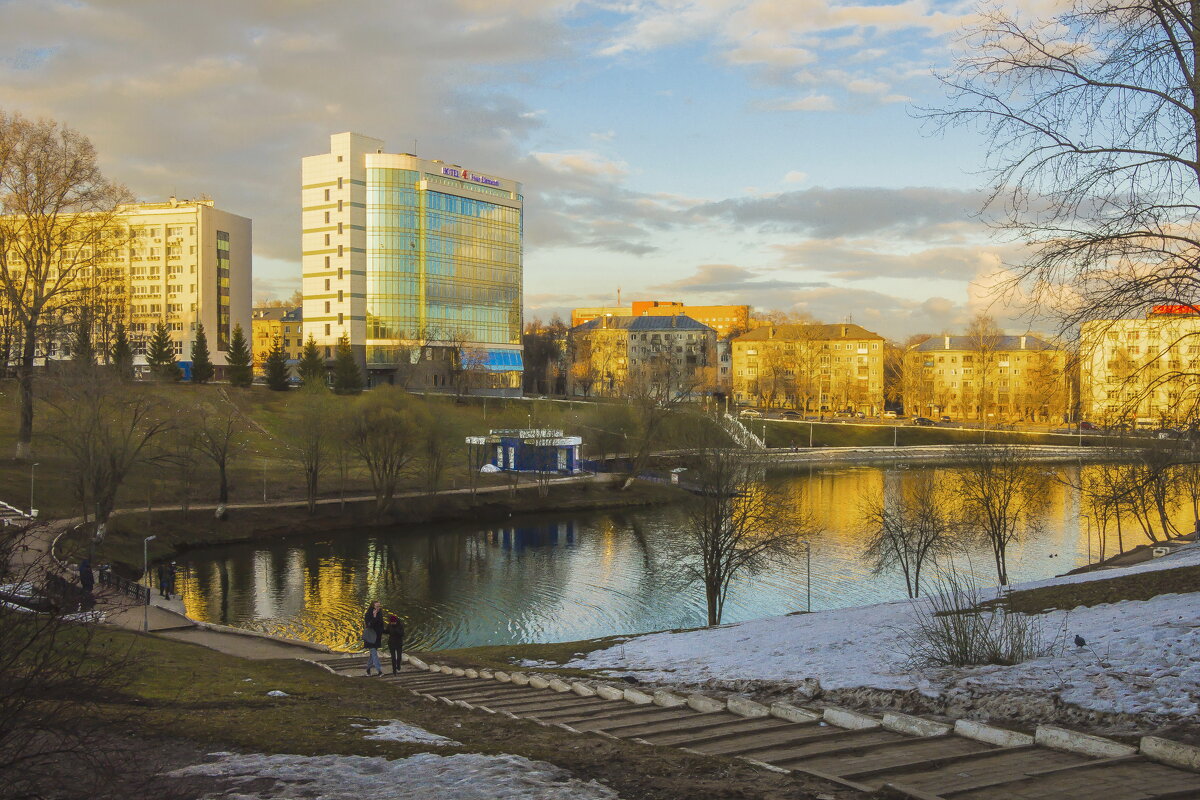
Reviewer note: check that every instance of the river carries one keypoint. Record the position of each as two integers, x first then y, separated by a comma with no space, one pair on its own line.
565,577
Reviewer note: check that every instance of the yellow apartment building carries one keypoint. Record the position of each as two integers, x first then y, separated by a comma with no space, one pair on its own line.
991,378
1143,370
809,367
273,322
676,350
722,319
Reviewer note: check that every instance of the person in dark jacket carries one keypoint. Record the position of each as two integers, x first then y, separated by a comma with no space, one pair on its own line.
373,627
86,579
162,580
395,633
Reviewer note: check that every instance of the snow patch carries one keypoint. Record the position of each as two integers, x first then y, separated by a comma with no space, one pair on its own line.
397,731
277,693
468,776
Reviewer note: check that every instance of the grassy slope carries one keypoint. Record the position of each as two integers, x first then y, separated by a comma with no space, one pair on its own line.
188,692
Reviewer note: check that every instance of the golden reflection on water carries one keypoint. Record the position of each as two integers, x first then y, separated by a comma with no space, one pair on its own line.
584,575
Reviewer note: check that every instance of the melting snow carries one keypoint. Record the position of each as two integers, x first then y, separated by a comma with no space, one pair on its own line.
468,776
397,731
1141,656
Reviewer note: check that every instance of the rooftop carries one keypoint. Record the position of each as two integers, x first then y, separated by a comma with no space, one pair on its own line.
674,322
1002,343
814,332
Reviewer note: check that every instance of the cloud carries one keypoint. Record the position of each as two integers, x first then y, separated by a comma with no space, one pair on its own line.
855,260
812,102
723,278
795,176
914,212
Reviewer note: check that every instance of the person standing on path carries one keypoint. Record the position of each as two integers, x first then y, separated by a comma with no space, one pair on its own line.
162,580
172,569
395,632
373,628
86,579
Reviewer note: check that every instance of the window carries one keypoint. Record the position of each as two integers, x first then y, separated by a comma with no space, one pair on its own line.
327,309
326,194
339,249
339,204
327,333
339,179
339,273
340,298
327,284
326,262
339,319
327,217
327,241
340,227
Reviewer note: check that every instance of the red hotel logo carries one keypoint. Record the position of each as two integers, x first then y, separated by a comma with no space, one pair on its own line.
1173,309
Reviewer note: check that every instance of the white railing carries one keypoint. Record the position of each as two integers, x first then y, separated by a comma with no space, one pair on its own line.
740,433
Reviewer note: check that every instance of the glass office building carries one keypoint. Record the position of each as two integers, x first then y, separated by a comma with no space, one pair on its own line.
417,262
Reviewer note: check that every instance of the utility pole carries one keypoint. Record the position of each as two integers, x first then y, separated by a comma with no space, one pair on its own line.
146,578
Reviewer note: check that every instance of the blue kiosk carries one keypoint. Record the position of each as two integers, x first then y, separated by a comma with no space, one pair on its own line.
530,450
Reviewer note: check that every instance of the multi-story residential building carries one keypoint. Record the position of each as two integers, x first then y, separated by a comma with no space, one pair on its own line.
990,377
276,322
1142,370
725,320
181,263
416,262
810,367
676,352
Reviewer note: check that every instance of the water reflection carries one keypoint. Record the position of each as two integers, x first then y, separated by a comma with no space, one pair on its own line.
577,576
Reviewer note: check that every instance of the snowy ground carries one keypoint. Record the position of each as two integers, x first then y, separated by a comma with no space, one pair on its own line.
466,776
397,731
1141,656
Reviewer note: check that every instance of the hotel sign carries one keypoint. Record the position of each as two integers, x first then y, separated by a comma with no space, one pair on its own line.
1175,309
467,175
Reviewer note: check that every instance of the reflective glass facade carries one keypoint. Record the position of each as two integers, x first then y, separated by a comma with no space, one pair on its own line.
440,267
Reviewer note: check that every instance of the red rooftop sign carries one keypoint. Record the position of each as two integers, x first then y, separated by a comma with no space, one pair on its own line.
1175,310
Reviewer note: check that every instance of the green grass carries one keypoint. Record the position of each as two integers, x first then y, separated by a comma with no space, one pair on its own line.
508,657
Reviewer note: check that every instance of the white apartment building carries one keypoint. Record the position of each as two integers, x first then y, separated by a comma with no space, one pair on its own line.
188,262
1142,370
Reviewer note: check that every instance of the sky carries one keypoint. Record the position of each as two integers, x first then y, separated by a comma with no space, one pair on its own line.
769,152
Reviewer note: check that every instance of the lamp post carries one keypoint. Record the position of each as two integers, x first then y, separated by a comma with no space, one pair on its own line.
264,463
808,574
146,575
32,473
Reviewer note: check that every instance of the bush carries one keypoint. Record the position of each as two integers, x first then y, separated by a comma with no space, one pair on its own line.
953,630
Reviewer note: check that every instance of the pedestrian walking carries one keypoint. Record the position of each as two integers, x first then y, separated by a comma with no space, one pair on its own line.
373,626
162,580
395,634
172,570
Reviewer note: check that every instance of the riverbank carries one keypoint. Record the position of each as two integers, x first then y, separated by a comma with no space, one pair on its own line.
1137,669
176,530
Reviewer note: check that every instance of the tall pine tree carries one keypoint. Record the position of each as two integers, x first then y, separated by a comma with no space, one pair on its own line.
202,366
312,366
347,379
121,356
241,371
160,355
276,368
83,352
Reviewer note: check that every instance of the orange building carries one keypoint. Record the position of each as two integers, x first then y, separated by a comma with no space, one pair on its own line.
723,319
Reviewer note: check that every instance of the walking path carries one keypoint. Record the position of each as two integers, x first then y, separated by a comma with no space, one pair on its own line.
904,755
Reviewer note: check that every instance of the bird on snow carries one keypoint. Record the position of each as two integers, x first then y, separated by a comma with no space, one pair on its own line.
1079,641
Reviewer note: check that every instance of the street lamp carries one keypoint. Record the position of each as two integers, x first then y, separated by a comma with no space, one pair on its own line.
32,472
146,576
808,574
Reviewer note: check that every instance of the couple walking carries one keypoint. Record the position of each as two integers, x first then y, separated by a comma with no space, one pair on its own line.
375,625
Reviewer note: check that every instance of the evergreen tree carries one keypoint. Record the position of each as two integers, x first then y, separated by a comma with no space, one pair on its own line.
346,377
276,368
121,357
312,366
241,371
202,366
82,350
160,355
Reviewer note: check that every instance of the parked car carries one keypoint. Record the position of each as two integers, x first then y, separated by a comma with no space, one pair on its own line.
946,418
789,414
923,421
889,415
861,415
750,413
1169,433
1087,426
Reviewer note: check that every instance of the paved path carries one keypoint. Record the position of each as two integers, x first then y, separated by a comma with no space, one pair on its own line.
903,755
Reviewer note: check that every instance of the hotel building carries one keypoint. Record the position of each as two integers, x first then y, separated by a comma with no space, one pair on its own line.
1142,370
416,262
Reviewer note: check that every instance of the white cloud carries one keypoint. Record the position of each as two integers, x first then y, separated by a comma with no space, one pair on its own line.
795,176
812,102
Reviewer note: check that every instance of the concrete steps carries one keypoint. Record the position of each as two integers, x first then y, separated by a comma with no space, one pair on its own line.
899,755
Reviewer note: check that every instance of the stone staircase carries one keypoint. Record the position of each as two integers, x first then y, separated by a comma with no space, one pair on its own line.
900,755
745,438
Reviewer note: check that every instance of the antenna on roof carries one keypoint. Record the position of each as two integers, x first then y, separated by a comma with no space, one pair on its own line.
618,297
414,147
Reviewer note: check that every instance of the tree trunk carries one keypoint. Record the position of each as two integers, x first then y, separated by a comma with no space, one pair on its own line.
25,387
223,495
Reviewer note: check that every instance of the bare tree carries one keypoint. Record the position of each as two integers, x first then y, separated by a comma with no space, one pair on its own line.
1002,497
1093,124
910,527
654,391
384,432
313,435
107,429
735,526
59,226
220,436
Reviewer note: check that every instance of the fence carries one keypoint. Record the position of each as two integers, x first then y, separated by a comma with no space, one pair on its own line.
140,594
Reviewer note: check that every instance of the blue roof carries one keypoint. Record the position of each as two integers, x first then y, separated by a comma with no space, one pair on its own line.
679,322
503,361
